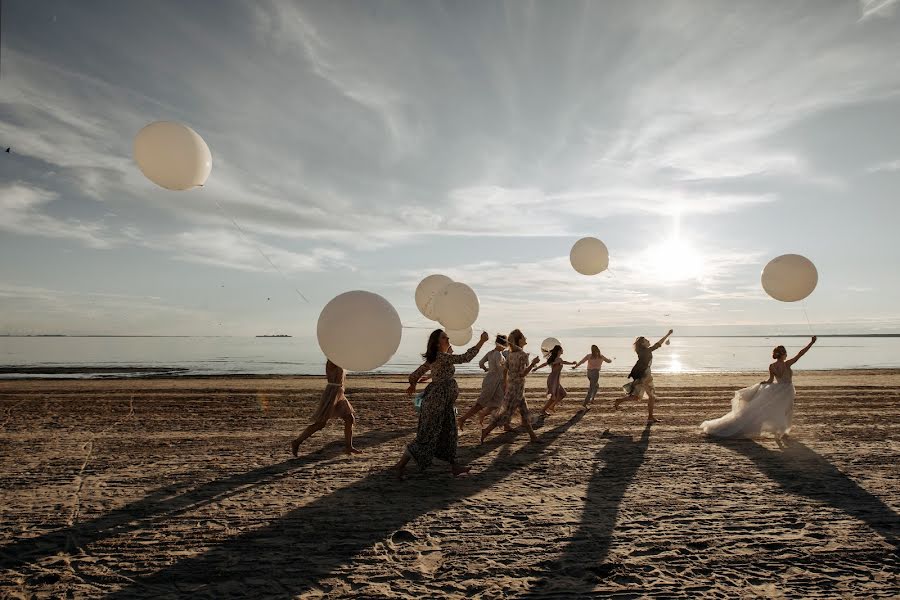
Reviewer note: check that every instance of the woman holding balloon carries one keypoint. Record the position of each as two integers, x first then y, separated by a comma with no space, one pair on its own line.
436,435
767,407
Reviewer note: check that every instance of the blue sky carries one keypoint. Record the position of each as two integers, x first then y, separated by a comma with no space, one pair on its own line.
364,145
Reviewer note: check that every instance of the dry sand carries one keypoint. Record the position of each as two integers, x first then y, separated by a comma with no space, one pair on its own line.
185,487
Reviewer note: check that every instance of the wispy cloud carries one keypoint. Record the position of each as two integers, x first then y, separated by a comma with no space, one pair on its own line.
22,211
882,167
876,8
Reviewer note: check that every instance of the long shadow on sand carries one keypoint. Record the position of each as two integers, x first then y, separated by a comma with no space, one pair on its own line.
799,470
291,554
578,570
167,502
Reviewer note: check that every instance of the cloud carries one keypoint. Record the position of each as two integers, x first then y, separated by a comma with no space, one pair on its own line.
225,248
889,166
22,212
876,8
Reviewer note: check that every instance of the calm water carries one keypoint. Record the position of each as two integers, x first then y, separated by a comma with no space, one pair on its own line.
231,355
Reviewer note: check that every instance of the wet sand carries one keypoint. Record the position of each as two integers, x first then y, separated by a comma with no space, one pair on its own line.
185,487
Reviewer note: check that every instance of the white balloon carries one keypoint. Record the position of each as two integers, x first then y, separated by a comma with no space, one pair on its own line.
172,155
426,292
459,337
589,256
548,344
789,277
456,306
359,331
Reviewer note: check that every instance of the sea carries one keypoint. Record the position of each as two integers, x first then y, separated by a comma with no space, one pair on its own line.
123,356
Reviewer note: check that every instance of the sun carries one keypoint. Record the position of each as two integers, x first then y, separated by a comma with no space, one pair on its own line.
673,261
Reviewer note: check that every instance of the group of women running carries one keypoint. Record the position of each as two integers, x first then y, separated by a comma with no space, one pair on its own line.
764,407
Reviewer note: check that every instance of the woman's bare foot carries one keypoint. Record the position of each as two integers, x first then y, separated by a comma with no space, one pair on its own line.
483,435
652,420
295,447
399,472
352,450
460,424
535,439
458,470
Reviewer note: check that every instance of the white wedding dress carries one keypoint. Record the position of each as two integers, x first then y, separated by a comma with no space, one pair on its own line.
758,409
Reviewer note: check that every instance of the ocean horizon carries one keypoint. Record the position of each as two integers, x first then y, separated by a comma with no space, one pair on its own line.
110,356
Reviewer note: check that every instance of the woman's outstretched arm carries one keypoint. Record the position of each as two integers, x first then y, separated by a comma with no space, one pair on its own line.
661,341
802,352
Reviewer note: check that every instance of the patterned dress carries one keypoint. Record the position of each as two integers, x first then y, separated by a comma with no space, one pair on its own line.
436,435
492,386
516,365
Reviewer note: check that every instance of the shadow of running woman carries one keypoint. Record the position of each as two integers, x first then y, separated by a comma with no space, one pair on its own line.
799,470
578,570
295,551
165,503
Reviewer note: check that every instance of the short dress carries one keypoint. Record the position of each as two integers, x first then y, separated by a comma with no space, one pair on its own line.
642,378
555,389
333,404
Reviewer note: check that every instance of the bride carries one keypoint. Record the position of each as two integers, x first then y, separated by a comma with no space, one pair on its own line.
766,407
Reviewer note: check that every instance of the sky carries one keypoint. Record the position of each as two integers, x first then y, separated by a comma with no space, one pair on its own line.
365,145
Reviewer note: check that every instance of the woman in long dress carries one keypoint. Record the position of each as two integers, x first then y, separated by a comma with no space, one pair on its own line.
641,377
555,390
436,435
493,386
332,405
767,407
517,369
594,362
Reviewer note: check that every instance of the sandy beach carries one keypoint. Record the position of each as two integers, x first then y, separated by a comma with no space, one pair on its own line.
185,487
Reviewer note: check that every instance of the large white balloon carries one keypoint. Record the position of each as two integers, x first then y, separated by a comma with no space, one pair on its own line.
459,337
589,256
172,155
359,331
790,277
426,291
548,344
456,306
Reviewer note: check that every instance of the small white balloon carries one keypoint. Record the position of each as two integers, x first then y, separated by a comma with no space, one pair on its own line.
359,330
426,292
456,306
548,345
789,278
459,337
172,155
589,256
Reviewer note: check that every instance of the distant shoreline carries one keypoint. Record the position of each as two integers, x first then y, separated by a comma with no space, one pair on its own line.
580,335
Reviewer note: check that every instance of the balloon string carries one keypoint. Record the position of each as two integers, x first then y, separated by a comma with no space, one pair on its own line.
803,306
247,239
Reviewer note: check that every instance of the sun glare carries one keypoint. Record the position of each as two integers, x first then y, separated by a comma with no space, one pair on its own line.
674,261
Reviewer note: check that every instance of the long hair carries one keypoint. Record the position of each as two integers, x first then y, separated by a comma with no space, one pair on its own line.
595,351
637,342
779,351
554,354
514,338
434,345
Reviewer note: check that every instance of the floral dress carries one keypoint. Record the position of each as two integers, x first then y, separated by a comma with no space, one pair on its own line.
436,435
516,364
